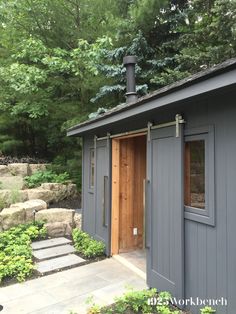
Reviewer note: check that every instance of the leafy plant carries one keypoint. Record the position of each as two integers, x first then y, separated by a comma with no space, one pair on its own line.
207,310
137,302
15,250
46,176
86,245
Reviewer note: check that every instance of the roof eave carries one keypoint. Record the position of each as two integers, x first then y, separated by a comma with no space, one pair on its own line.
198,87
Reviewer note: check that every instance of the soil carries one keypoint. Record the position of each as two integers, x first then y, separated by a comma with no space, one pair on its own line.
69,203
5,160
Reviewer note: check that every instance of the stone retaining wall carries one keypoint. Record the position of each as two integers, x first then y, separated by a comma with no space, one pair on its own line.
20,169
59,221
48,192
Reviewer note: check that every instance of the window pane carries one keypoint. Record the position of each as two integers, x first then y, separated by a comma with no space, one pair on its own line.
195,174
91,172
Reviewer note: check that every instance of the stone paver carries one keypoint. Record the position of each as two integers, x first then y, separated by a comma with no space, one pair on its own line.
58,263
50,243
67,291
53,251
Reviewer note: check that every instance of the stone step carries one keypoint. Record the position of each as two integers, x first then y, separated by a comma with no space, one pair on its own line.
51,252
58,263
44,244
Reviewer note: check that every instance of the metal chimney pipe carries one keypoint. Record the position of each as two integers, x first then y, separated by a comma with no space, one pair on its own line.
129,62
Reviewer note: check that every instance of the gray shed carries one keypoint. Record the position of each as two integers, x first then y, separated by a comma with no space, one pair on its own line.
159,173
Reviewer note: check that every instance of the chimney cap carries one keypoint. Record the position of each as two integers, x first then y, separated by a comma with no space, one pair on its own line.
129,60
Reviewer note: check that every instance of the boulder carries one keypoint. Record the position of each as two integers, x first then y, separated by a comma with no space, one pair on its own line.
23,196
5,198
8,197
59,221
56,229
36,167
56,215
30,207
78,220
11,217
72,190
4,171
43,194
59,190
19,169
12,182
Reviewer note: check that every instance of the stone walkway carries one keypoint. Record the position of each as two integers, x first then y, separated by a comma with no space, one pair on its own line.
67,291
55,254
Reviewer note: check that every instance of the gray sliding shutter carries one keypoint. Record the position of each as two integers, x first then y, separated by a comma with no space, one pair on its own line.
103,192
164,220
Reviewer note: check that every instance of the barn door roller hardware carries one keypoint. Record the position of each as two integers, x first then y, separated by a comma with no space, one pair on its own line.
178,120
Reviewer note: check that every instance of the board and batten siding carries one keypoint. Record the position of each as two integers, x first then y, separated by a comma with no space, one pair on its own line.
210,251
88,204
96,200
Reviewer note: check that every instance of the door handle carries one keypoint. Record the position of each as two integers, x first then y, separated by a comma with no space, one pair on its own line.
104,201
147,223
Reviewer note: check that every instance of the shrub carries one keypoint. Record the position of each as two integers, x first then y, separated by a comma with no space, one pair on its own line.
137,302
15,250
86,245
46,176
207,310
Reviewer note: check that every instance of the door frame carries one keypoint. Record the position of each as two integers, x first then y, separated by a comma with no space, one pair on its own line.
115,189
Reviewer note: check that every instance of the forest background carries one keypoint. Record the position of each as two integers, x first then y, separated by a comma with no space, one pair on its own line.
61,60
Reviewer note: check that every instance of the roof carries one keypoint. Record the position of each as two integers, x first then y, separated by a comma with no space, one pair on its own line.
213,75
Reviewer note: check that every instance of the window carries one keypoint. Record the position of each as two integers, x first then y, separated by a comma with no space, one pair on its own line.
91,169
199,170
195,174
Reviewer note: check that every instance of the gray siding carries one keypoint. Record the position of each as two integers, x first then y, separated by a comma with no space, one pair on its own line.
93,199
87,194
210,251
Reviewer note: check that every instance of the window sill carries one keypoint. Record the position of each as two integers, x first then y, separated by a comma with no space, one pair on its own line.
201,217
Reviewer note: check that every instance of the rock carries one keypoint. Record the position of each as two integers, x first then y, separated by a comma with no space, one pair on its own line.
46,195
56,229
19,169
11,217
59,190
4,170
36,167
59,221
78,220
56,215
8,197
30,207
23,195
72,190
12,182
5,198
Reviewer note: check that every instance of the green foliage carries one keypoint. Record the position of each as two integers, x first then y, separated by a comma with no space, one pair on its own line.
15,250
86,245
137,302
46,176
207,310
61,60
